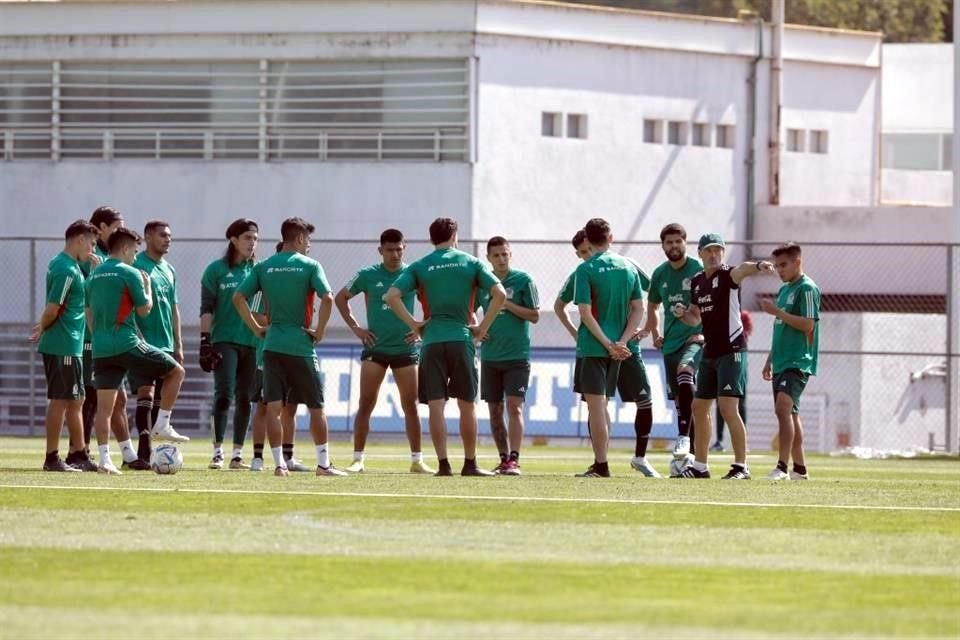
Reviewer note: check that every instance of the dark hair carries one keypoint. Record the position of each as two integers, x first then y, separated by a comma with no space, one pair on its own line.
104,215
597,230
79,228
293,227
236,229
122,236
153,225
578,238
789,249
279,247
497,241
391,235
442,230
673,229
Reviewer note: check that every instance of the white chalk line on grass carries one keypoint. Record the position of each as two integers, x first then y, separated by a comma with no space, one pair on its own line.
439,496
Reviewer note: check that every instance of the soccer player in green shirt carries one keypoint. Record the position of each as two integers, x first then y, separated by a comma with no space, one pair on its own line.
290,281
505,354
447,281
227,346
388,344
681,344
606,289
793,354
160,328
60,332
114,291
106,220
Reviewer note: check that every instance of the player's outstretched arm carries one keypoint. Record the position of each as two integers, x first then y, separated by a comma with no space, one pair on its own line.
748,269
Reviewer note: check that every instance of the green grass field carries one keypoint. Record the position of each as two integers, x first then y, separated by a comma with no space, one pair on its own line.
865,549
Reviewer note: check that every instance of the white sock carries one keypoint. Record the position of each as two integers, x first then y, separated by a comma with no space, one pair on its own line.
237,452
323,456
640,459
163,420
700,466
104,454
358,456
127,452
416,456
278,460
218,450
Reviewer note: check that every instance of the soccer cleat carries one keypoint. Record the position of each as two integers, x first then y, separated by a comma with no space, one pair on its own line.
330,471
238,463
420,467
355,467
681,448
256,465
58,465
472,470
500,467
136,465
778,474
737,473
677,465
593,472
445,470
80,461
216,462
295,465
109,469
717,447
280,471
510,468
799,476
692,472
169,434
644,467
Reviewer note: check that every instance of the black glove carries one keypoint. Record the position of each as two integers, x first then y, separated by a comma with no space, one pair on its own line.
209,358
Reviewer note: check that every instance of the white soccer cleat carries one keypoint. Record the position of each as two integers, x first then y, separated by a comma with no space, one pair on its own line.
355,467
109,468
777,474
256,464
216,462
420,467
170,434
330,471
681,448
677,465
644,467
799,476
296,466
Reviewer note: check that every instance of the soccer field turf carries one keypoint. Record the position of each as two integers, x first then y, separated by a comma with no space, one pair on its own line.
864,549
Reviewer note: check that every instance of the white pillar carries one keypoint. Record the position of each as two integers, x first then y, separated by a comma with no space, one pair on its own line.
953,279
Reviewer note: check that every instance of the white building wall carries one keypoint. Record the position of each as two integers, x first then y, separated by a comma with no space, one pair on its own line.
917,87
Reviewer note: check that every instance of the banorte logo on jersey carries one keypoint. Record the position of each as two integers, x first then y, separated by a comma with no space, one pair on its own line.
284,269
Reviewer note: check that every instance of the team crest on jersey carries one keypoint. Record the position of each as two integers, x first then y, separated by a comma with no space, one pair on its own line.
685,285
380,285
509,293
715,282
790,299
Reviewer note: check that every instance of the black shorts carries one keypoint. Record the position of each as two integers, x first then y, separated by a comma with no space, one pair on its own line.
287,377
598,376
791,382
387,361
64,377
448,370
632,383
506,377
724,376
690,354
87,364
143,361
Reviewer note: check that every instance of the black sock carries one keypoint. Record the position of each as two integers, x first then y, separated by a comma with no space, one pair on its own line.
443,464
287,450
799,468
642,424
685,390
515,456
469,462
52,455
144,448
503,456
601,467
782,465
142,416
742,465
258,451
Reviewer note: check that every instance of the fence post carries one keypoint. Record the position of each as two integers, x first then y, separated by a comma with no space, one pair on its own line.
952,393
32,368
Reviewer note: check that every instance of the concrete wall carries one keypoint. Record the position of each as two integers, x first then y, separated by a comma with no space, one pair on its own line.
917,87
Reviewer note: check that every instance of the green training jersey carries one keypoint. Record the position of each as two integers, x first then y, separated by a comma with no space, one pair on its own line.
65,287
100,251
509,335
157,328
447,281
566,293
373,282
607,282
670,286
290,282
217,285
114,291
793,349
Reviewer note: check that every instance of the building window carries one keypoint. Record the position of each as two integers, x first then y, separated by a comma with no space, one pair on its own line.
576,125
677,133
701,134
796,140
725,136
653,131
818,141
551,125
917,151
946,152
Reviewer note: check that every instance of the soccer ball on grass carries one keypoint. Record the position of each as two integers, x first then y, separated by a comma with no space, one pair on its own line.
166,459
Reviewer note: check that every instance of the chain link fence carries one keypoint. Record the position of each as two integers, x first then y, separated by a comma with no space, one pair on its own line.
884,330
